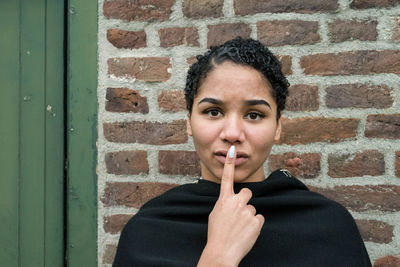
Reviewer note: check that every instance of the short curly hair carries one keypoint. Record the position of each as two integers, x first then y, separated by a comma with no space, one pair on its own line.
241,51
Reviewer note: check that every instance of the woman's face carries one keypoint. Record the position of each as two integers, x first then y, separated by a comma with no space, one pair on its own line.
234,106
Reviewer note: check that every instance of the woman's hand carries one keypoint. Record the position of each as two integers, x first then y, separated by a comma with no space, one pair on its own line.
233,226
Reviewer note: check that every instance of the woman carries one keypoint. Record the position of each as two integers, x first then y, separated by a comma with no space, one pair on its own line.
234,216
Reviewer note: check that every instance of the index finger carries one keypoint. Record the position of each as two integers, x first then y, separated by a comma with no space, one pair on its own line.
228,173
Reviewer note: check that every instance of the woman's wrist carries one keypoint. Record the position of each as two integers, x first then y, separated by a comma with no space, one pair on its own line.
212,257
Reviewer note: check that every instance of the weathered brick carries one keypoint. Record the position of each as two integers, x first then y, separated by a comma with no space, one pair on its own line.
369,162
219,34
127,162
250,7
170,37
113,224
397,164
154,133
126,100
308,130
383,198
131,194
203,8
306,165
388,261
396,30
150,69
375,231
358,96
173,101
383,126
109,254
288,32
347,30
191,60
302,97
126,39
179,162
363,4
142,10
356,62
286,62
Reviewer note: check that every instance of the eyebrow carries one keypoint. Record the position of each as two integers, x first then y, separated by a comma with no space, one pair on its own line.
252,102
255,102
211,100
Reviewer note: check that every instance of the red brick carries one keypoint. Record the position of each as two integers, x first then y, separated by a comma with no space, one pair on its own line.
363,4
396,30
126,100
306,165
109,254
358,96
179,162
375,231
114,224
219,34
308,130
191,60
382,198
126,39
369,162
179,36
302,97
154,133
288,32
347,30
127,162
150,69
388,261
250,7
132,194
383,126
356,62
141,10
286,62
203,8
173,101
397,164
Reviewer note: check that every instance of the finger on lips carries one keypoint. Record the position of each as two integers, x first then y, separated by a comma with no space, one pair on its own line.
228,173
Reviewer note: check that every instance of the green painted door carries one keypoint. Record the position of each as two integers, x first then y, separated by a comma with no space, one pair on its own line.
32,133
48,131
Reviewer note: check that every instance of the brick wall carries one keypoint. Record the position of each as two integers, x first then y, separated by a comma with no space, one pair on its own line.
341,129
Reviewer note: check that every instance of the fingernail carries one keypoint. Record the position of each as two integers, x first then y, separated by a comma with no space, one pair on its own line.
231,152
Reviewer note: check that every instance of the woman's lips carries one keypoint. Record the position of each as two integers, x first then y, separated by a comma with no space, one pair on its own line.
240,157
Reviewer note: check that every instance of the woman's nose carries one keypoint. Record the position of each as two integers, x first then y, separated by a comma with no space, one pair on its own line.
233,131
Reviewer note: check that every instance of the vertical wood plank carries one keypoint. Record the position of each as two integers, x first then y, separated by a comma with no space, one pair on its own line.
32,123
54,132
9,132
82,133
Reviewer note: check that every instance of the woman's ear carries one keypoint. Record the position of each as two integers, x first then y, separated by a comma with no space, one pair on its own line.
278,130
188,126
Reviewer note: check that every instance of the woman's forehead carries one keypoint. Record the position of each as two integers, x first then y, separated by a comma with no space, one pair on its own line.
230,80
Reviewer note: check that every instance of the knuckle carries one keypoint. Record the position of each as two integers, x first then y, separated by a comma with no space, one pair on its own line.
260,219
246,192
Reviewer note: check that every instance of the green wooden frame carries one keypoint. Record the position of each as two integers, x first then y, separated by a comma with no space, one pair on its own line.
82,134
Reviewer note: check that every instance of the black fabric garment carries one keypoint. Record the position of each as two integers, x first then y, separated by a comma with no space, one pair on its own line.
301,228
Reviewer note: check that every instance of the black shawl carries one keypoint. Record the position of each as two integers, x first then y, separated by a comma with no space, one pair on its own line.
301,228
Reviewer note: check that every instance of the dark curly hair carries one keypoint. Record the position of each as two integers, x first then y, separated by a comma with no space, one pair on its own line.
241,51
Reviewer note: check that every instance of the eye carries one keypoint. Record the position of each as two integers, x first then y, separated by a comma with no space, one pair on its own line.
213,113
254,116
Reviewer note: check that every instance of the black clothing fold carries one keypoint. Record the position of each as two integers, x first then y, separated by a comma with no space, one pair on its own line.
302,228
